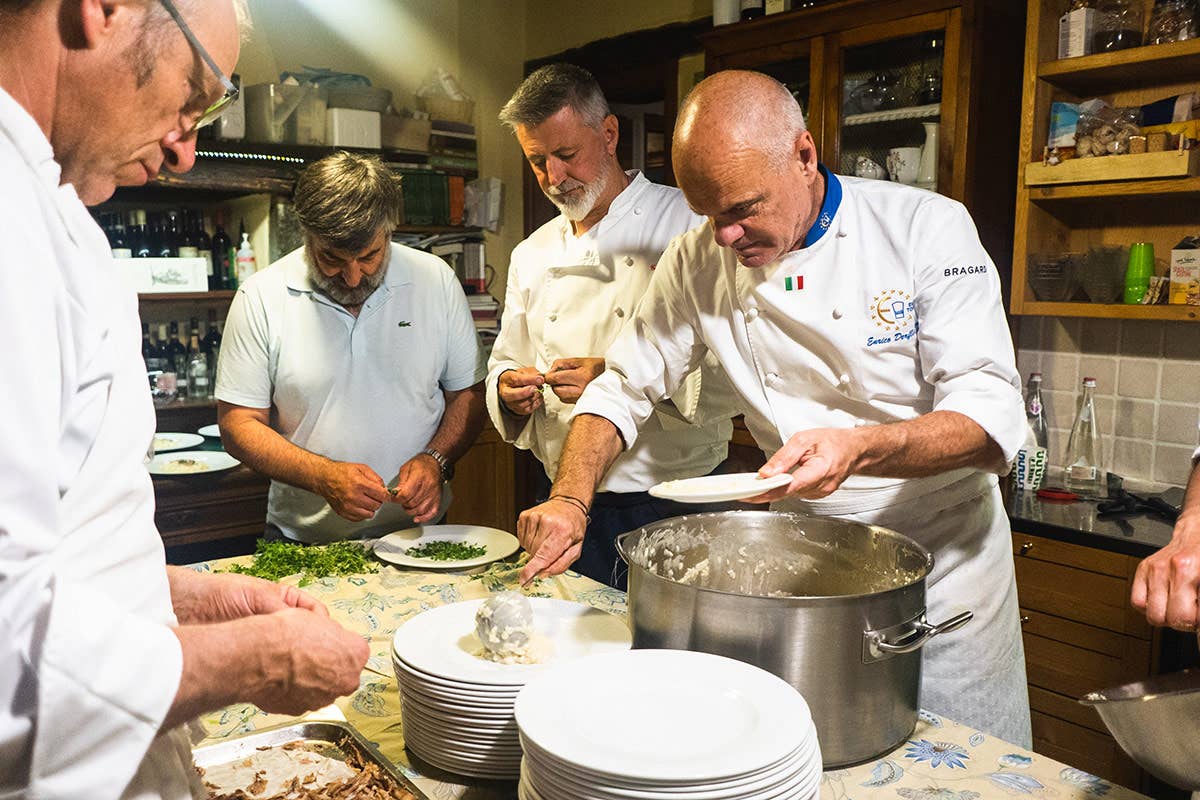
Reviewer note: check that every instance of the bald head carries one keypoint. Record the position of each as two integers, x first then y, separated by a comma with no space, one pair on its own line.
735,109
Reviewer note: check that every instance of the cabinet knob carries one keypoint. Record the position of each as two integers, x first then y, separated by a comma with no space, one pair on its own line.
1024,620
1025,548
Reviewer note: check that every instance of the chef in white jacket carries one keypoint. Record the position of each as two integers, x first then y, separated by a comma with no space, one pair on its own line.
105,651
572,285
861,323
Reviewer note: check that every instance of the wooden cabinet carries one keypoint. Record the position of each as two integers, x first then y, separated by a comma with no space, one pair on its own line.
484,485
1080,635
1074,217
955,63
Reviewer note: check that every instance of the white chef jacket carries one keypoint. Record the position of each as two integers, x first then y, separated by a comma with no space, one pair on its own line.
89,666
892,310
570,296
365,389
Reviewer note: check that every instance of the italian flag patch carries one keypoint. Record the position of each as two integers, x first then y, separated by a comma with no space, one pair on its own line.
793,284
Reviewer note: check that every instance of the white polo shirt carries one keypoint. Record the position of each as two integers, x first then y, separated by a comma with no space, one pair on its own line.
569,296
364,389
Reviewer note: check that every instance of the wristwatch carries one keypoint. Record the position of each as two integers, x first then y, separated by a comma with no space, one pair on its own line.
444,464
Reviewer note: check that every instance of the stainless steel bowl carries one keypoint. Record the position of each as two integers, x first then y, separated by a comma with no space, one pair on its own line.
1155,722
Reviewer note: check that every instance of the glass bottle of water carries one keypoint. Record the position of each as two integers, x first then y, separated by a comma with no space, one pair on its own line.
1084,475
1034,410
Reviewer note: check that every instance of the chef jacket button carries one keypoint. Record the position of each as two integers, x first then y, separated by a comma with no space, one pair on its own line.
772,378
553,317
629,261
752,315
620,312
637,212
837,313
841,234
843,380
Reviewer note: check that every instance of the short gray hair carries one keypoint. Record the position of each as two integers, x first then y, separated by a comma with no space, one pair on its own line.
156,25
346,199
551,88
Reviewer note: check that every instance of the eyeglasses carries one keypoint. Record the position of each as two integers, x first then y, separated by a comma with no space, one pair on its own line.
231,91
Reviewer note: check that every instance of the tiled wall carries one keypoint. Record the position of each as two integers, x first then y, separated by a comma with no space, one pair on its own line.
1147,394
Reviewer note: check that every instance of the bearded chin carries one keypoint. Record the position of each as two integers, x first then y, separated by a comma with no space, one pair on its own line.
580,208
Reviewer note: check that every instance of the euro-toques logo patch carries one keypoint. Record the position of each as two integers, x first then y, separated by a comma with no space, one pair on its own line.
894,315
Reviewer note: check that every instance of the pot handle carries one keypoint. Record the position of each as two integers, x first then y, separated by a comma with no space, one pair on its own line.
907,637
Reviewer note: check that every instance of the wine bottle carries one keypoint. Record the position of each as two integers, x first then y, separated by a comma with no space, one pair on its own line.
118,239
149,354
168,242
222,248
178,356
204,249
141,237
162,349
751,9
187,239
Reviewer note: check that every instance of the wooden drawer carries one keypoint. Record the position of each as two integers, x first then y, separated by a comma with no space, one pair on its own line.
1074,671
1077,583
1083,748
204,508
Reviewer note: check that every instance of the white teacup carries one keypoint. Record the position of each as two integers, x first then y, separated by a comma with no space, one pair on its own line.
902,164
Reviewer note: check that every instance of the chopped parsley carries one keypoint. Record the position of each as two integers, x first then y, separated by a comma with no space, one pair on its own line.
275,560
441,550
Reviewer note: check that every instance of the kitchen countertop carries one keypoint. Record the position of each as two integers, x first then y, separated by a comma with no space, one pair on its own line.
941,760
1078,523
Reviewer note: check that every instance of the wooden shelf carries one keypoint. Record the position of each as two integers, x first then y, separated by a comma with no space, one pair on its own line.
1137,67
438,229
187,297
1109,311
1116,190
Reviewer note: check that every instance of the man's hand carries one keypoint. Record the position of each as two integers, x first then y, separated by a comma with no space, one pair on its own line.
419,487
199,598
552,534
568,377
520,390
1166,585
353,491
310,662
820,460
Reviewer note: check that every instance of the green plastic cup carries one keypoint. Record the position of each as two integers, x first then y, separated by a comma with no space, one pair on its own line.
1139,272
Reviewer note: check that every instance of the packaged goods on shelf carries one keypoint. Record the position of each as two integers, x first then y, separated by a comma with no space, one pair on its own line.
164,275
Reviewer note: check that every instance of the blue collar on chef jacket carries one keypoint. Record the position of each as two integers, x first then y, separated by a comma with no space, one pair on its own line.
833,199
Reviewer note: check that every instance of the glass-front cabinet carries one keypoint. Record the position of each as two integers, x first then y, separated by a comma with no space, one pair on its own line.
924,92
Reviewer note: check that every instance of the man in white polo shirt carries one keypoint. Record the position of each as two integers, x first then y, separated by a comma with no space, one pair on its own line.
571,286
350,371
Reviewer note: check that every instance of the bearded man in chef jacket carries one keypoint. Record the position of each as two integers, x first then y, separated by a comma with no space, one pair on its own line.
104,650
572,285
861,323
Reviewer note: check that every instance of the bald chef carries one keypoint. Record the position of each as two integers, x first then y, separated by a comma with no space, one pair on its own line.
861,323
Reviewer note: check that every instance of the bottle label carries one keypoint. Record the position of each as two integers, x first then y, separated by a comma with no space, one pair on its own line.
122,252
208,261
189,252
1035,406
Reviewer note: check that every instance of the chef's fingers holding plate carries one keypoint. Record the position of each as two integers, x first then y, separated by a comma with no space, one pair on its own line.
1166,585
820,460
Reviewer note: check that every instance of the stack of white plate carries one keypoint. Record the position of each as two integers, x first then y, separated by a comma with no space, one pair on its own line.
457,708
669,724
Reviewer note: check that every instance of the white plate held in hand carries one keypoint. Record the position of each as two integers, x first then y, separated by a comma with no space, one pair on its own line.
212,431
719,488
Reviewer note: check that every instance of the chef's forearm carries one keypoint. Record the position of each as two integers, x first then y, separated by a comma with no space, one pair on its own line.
932,443
461,422
248,438
224,663
592,445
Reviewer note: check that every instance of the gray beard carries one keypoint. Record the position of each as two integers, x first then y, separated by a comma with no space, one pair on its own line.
340,293
576,210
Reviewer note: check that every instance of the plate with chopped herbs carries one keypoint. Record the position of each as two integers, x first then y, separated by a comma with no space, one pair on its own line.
445,546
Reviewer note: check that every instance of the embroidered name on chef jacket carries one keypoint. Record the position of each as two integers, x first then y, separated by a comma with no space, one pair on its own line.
959,272
829,207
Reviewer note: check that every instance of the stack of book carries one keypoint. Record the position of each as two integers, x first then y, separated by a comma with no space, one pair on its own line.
486,313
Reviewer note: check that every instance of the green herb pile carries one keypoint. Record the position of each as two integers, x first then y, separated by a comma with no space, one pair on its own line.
440,550
275,560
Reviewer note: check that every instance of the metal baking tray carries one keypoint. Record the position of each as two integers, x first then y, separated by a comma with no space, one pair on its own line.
338,734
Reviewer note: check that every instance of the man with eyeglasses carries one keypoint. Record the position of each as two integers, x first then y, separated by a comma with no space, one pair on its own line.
105,651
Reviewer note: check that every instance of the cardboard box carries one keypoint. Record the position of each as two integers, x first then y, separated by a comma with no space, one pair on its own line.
165,275
350,127
406,133
1185,278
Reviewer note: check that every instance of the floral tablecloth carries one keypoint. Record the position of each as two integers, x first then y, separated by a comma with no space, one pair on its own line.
942,760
